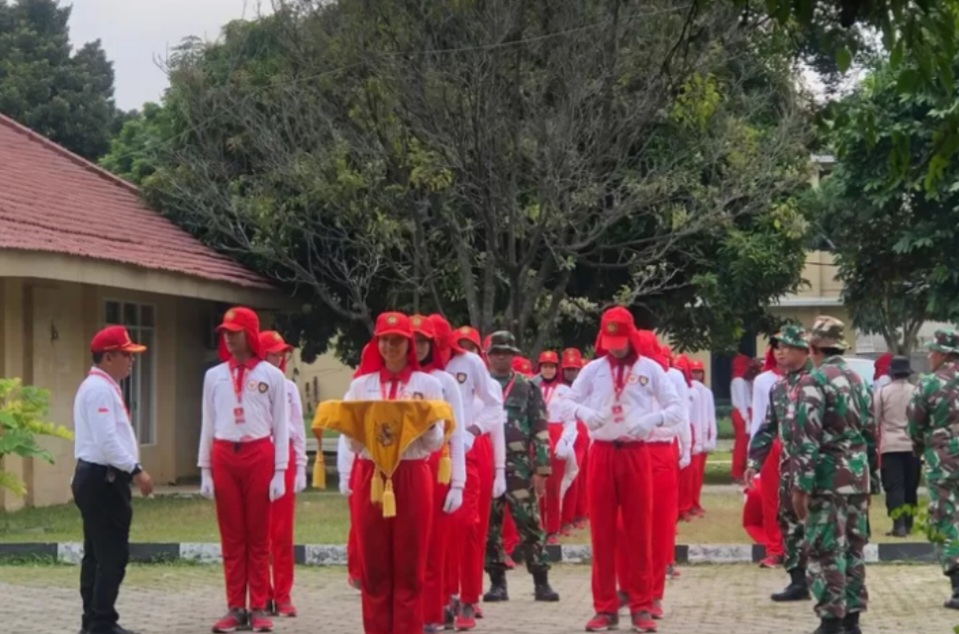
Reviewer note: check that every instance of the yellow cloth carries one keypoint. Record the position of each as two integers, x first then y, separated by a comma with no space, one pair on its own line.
319,468
385,429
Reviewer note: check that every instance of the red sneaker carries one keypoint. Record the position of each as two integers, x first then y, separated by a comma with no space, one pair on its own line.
353,582
656,611
602,622
286,610
478,610
509,563
643,622
234,620
672,572
566,530
773,561
260,622
552,540
466,619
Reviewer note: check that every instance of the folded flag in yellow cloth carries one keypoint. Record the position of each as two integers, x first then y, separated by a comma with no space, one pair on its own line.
385,429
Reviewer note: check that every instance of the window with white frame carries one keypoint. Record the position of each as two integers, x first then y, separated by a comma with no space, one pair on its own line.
139,388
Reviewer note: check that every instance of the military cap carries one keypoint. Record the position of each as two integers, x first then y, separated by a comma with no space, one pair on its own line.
828,332
945,340
502,341
792,336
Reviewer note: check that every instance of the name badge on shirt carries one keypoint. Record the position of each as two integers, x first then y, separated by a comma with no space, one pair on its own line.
618,416
238,416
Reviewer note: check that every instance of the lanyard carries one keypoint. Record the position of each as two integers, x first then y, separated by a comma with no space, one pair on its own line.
237,376
116,388
618,372
548,390
508,388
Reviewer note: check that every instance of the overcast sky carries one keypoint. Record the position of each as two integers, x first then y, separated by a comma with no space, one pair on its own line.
136,32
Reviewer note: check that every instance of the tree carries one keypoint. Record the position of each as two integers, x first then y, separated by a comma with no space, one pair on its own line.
894,238
65,95
22,413
512,165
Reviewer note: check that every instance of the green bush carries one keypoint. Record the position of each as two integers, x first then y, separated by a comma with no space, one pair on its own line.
22,413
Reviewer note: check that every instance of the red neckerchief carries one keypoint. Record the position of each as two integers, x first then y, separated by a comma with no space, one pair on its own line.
509,386
548,387
116,387
617,368
395,379
237,370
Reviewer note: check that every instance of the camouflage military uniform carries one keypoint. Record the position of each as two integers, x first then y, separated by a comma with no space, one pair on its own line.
527,453
934,428
777,424
831,442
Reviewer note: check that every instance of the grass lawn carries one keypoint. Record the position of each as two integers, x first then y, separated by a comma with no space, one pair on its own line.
322,518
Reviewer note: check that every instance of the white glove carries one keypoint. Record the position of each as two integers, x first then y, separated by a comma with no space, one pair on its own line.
299,484
345,485
277,485
684,460
641,427
592,419
454,500
562,450
499,484
206,483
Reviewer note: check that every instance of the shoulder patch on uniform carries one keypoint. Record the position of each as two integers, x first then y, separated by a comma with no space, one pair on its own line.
262,387
461,377
643,380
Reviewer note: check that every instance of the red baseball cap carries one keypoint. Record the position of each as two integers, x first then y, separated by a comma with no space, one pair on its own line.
393,323
115,339
616,327
272,342
240,319
548,356
572,359
697,366
422,325
468,333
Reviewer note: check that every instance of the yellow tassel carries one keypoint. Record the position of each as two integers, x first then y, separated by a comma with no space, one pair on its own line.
389,500
376,488
445,471
319,471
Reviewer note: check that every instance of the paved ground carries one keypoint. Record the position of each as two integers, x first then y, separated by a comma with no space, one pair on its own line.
184,599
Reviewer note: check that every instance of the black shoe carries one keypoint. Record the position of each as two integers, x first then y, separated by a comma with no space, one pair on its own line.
497,591
543,591
829,626
850,623
120,630
450,612
953,602
900,528
797,590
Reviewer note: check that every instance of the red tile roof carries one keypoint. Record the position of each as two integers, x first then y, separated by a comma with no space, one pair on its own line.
52,200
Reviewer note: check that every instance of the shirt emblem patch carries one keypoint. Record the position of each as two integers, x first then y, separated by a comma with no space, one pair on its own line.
461,377
644,381
262,387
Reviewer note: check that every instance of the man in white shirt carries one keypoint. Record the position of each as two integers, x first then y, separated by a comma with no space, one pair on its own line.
108,460
622,397
243,456
283,511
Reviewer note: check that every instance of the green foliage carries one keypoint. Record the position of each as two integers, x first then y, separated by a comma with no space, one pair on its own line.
63,93
892,227
501,164
22,413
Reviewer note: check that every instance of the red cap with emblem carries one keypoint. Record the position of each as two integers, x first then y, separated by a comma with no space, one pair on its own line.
240,319
548,356
387,324
616,330
523,365
572,359
115,339
271,342
697,366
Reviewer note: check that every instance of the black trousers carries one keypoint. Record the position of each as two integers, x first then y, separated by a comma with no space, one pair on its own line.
900,479
103,496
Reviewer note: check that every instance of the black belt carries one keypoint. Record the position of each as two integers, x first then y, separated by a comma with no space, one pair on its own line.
110,474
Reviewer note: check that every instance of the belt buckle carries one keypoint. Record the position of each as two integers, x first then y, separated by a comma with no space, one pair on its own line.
237,446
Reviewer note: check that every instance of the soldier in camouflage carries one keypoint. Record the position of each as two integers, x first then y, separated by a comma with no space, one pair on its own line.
933,418
527,467
795,361
832,443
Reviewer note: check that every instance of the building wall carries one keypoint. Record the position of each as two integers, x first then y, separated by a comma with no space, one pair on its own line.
45,329
321,380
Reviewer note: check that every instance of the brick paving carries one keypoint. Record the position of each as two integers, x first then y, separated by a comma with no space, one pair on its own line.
186,599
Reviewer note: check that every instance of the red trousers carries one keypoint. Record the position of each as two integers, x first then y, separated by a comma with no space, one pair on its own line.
576,493
435,589
282,513
394,550
753,515
620,483
582,503
472,523
699,462
354,558
241,479
769,479
550,505
740,445
664,462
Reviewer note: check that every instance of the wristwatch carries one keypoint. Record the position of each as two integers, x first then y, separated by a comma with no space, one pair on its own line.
137,469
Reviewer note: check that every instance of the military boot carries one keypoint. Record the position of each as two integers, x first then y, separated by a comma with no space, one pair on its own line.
497,589
829,626
851,623
953,602
543,591
797,590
